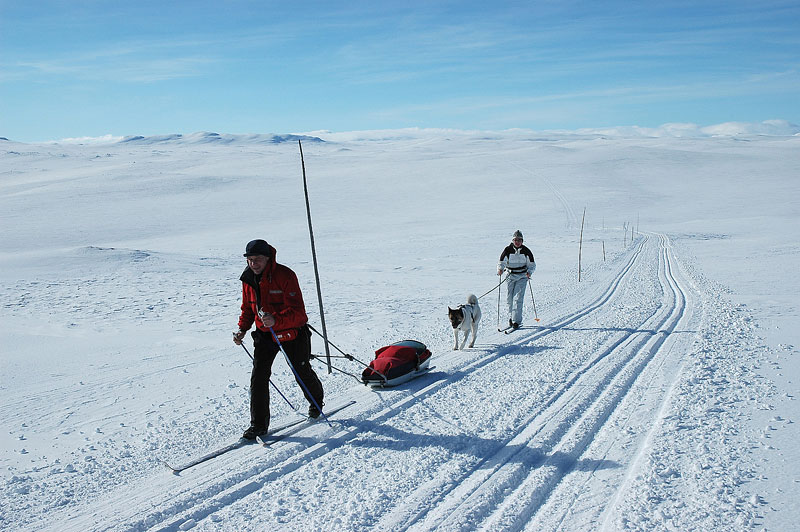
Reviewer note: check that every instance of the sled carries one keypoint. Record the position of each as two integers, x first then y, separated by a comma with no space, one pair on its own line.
397,363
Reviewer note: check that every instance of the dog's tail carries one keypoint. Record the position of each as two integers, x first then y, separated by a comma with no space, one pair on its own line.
472,300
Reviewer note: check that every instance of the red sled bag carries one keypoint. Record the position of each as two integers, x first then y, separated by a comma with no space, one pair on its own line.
397,363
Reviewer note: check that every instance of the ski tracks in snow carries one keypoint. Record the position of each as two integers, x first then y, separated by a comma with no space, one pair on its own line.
539,457
546,462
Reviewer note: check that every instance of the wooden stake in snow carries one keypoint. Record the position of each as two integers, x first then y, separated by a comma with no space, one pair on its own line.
314,256
580,245
625,234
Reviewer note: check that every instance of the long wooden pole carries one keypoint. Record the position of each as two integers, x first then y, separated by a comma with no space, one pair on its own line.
314,256
580,245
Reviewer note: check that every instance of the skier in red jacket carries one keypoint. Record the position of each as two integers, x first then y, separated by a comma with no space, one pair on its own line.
272,299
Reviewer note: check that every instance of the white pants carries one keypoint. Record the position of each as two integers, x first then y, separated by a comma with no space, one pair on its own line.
516,296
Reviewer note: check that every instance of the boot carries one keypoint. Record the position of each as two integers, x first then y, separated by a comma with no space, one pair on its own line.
313,411
254,431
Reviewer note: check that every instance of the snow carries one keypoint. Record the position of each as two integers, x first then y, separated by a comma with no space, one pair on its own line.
659,393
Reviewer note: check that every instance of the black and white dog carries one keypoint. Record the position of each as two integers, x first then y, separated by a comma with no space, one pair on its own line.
465,318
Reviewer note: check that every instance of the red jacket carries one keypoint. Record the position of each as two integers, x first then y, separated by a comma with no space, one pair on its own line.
278,294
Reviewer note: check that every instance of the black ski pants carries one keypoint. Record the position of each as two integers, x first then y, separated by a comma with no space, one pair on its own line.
264,352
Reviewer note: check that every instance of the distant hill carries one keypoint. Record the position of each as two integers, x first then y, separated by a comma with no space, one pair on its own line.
205,137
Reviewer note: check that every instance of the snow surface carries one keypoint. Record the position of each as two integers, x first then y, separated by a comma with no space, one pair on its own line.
659,393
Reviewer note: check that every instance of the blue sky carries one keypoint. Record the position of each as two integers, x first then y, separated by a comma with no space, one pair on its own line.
77,68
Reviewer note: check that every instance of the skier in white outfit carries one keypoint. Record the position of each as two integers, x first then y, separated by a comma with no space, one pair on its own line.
519,262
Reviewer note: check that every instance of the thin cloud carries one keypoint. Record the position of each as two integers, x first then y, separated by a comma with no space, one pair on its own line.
130,70
520,105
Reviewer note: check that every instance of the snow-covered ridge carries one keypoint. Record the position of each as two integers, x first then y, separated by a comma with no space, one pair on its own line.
204,137
776,128
769,128
200,137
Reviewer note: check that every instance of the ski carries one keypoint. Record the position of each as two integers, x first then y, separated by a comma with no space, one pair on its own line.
279,432
520,328
295,427
241,442
289,424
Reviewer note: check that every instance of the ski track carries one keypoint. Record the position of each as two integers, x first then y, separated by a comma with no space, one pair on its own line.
537,463
514,487
569,212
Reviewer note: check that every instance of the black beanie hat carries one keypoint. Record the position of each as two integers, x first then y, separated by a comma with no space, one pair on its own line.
257,247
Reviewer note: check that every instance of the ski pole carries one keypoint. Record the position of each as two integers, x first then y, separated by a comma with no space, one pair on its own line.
498,305
270,381
536,314
297,376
